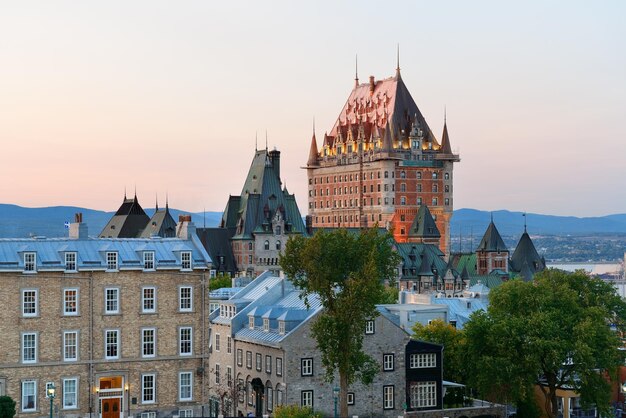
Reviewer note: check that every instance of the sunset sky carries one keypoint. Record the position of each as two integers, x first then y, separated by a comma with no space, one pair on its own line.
96,97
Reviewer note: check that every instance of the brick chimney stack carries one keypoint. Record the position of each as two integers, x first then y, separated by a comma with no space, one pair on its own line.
78,230
185,228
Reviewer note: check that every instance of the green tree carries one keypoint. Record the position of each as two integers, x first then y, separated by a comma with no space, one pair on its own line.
7,407
555,332
295,411
439,332
220,282
347,271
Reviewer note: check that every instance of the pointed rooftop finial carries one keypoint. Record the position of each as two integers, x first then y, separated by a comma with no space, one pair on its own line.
256,141
124,192
313,125
156,198
445,115
398,61
524,215
135,190
491,217
266,140
167,200
356,70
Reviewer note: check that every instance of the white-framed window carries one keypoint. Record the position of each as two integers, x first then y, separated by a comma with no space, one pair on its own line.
185,413
281,327
212,274
217,374
266,324
111,257
306,398
148,342
70,389
388,362
369,327
421,361
229,376
229,344
306,366
30,262
29,347
111,300
268,364
70,345
70,302
185,341
112,344
217,342
269,395
148,260
279,397
239,357
70,262
249,359
423,394
259,361
185,260
388,398
148,299
350,397
279,366
251,322
29,395
148,415
30,302
185,299
148,385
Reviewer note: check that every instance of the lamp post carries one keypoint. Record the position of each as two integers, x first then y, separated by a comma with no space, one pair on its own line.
335,397
51,389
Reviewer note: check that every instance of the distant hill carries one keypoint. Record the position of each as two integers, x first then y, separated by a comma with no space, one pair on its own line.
18,222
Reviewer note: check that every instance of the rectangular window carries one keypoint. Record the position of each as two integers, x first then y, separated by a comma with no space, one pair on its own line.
148,383
29,347
350,397
70,388
217,342
111,300
70,262
111,261
251,322
229,376
148,415
279,366
185,299
388,398
259,361
421,361
148,342
279,397
185,413
306,366
266,324
239,357
30,303
70,302
306,398
185,386
423,394
148,300
270,398
229,345
30,262
388,362
249,359
70,345
148,260
268,364
29,395
369,327
185,260
111,344
217,374
185,335
281,327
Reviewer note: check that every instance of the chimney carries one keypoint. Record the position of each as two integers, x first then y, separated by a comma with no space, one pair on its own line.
275,160
372,85
185,228
308,222
78,230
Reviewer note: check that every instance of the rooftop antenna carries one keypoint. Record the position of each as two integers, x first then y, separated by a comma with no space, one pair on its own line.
356,70
524,215
398,61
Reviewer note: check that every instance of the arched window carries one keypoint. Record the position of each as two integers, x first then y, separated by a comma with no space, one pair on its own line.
446,176
435,176
435,188
402,175
250,246
386,174
419,175
266,245
278,245
278,230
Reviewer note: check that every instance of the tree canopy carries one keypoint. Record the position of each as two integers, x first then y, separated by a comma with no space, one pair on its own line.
554,332
347,271
439,332
7,407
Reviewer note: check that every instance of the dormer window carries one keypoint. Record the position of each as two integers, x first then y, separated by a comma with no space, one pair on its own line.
185,260
266,324
281,327
148,260
111,260
266,245
251,322
70,261
278,230
30,262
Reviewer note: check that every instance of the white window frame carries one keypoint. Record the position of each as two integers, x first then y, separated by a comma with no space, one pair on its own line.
306,399
281,327
370,327
115,301
26,383
239,357
145,299
249,360
34,304
148,392
217,344
251,322
112,344
270,398
112,260
388,362
150,414
388,397
31,347
217,374
67,392
266,324
423,394
350,398
30,262
229,345
186,262
185,303
67,347
306,366
268,364
71,262
258,362
149,261
279,366
181,386
148,342
423,360
185,413
186,341
67,303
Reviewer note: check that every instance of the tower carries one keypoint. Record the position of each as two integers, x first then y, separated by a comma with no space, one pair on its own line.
492,253
380,163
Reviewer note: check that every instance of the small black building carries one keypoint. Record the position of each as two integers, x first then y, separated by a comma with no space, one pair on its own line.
424,376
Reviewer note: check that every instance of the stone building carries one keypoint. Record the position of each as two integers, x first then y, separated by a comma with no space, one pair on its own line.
380,163
117,325
263,355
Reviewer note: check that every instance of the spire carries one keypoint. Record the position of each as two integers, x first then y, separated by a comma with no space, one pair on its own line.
492,241
524,215
387,145
156,205
167,201
356,71
313,151
445,139
256,141
124,192
398,62
266,140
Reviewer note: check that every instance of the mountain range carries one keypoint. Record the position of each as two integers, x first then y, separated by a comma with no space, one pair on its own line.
17,221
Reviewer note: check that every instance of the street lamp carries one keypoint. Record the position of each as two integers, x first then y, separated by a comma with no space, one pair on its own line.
335,397
51,389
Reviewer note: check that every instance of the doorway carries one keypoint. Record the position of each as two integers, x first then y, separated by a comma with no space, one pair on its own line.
111,408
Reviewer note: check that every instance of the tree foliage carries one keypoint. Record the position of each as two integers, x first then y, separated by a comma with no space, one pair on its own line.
347,271
220,282
294,411
555,330
439,332
7,407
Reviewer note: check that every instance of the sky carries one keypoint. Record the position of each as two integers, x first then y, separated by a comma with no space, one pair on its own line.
167,97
